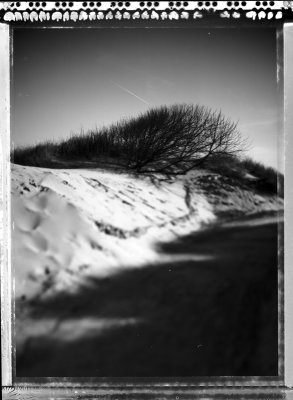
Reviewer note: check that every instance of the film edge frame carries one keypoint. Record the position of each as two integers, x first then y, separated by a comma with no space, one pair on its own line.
114,8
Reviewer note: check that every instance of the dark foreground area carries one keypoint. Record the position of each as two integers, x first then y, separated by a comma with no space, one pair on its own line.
213,313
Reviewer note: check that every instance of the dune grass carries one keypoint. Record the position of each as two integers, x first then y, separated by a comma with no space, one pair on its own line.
81,147
265,179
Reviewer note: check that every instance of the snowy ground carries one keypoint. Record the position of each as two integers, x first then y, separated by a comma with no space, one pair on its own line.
70,227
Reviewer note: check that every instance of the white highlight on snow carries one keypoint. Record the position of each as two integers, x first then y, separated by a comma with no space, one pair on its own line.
73,225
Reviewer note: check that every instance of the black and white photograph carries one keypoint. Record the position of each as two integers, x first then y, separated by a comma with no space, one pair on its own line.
147,201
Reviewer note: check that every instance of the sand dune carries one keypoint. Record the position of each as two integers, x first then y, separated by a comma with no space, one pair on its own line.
71,227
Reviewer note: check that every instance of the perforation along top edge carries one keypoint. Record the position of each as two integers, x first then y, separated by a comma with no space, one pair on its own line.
145,10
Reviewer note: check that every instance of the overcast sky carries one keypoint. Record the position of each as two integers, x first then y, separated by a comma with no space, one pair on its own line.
68,79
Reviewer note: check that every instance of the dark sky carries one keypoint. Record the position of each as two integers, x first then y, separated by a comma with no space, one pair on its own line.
68,79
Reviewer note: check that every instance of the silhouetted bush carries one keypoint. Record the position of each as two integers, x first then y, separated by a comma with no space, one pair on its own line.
171,139
176,139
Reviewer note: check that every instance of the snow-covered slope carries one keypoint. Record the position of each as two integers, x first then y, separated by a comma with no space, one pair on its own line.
70,224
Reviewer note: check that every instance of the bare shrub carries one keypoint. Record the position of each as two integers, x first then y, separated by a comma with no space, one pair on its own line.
176,139
171,139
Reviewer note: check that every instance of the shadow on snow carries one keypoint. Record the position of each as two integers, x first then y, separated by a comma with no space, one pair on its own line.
214,316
